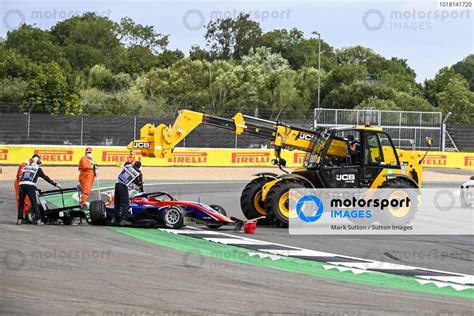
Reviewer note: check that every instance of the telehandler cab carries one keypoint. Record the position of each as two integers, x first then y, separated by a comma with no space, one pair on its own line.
349,157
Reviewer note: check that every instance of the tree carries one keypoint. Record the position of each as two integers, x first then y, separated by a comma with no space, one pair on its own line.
126,102
299,51
232,38
169,57
12,90
16,65
132,34
343,74
465,68
50,89
197,52
263,56
357,55
434,86
457,99
379,104
102,78
89,40
34,43
349,96
407,102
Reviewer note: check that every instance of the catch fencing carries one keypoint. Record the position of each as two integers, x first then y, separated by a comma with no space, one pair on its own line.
407,129
88,130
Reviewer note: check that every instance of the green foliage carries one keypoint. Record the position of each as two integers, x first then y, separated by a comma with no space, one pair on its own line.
102,78
379,104
408,102
89,40
232,38
357,55
125,68
49,89
15,65
457,98
126,102
349,96
299,51
12,90
33,43
344,74
439,84
465,68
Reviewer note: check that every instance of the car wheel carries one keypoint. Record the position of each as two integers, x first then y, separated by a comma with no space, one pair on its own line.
401,215
221,210
31,217
98,213
173,217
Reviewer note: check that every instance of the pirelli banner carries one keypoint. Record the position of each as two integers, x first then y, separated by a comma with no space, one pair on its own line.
60,155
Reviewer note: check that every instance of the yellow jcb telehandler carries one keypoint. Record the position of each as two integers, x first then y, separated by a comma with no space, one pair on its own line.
348,157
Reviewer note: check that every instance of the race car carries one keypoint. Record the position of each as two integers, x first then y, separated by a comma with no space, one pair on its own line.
159,209
467,194
55,209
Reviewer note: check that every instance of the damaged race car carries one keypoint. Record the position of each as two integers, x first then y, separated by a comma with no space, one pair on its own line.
56,209
159,209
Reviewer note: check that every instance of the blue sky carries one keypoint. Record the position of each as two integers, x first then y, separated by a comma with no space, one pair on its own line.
429,38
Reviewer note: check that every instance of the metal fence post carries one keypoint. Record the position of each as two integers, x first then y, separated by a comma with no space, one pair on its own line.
399,129
443,132
315,118
28,126
135,127
82,129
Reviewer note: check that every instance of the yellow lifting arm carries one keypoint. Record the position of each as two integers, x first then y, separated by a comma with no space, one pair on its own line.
159,141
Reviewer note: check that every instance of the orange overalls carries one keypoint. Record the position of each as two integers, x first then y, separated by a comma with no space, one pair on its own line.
16,184
86,178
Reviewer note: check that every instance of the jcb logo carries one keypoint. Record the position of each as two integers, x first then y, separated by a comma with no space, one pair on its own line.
469,161
119,156
305,136
435,160
188,157
250,157
141,145
299,158
3,154
345,177
55,155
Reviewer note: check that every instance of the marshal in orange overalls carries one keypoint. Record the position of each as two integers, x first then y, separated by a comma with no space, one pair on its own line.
86,175
16,184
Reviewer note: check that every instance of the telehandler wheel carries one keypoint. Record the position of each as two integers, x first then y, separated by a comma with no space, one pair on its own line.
277,203
401,215
251,200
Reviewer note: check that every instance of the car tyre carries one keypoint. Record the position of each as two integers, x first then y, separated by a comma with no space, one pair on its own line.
173,217
221,210
98,212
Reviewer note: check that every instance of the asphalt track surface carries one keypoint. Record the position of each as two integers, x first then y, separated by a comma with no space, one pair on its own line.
88,270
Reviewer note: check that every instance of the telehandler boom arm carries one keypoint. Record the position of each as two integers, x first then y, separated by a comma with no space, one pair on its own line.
159,141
